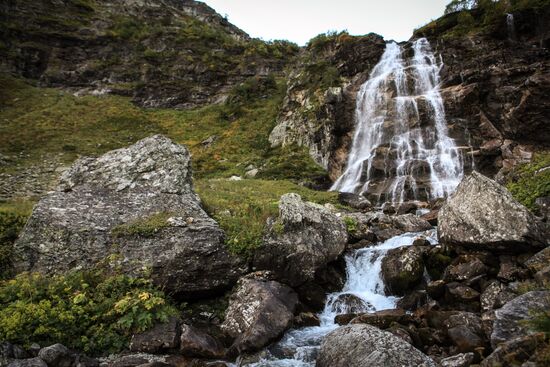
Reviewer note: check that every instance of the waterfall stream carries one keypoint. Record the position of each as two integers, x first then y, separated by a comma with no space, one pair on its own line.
362,292
511,25
401,148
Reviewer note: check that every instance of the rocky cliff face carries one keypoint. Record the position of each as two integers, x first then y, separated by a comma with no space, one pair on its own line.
165,53
495,85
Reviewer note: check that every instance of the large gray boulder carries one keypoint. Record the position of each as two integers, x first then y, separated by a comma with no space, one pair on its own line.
482,214
304,239
137,206
362,345
259,311
511,320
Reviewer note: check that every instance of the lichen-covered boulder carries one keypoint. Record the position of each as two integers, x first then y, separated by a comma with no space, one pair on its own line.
510,320
365,345
260,310
135,206
402,269
482,214
301,241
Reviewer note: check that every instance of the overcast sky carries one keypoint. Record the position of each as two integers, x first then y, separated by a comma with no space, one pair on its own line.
300,20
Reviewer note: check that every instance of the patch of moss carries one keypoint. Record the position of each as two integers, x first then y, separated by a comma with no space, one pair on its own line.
144,227
351,224
242,207
436,265
531,181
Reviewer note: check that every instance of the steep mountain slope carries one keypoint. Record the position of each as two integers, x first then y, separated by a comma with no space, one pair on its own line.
166,53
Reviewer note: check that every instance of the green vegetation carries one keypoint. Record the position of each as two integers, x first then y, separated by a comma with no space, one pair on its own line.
144,227
351,224
530,181
90,311
469,17
242,207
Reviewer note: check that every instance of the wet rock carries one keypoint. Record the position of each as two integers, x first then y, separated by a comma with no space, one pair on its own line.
365,345
413,300
459,360
161,337
382,319
259,311
489,297
410,223
482,214
465,267
141,199
348,303
303,240
196,343
538,261
515,351
30,362
354,201
431,217
462,297
305,319
465,331
510,319
436,289
402,269
56,355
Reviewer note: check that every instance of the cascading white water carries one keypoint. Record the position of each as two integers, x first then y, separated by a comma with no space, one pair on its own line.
401,143
363,292
511,25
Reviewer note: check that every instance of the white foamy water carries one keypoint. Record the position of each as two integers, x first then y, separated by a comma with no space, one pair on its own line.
401,138
364,284
511,25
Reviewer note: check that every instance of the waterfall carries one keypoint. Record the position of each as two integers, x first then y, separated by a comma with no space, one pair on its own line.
510,24
362,292
401,149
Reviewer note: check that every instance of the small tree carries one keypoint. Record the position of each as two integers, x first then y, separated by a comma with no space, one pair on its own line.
459,5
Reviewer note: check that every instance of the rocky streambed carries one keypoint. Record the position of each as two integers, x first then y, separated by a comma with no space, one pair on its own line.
328,286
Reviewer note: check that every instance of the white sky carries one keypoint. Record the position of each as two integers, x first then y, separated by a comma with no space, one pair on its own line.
300,20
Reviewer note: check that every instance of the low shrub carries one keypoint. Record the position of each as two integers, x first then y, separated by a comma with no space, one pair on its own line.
92,311
531,181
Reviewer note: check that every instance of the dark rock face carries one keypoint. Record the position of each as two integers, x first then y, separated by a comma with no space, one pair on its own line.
160,338
301,242
465,331
163,53
508,319
259,311
31,362
196,343
402,269
365,345
135,203
482,214
318,116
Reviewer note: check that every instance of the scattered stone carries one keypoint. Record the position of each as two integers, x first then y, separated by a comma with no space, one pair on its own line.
348,303
354,201
515,351
305,319
56,355
465,331
259,311
410,223
459,360
161,337
196,343
510,319
462,297
489,297
482,214
382,319
436,289
303,240
431,217
31,362
539,261
464,267
365,345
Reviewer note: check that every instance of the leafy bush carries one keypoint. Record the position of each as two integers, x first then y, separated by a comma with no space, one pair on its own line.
90,311
351,224
532,180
